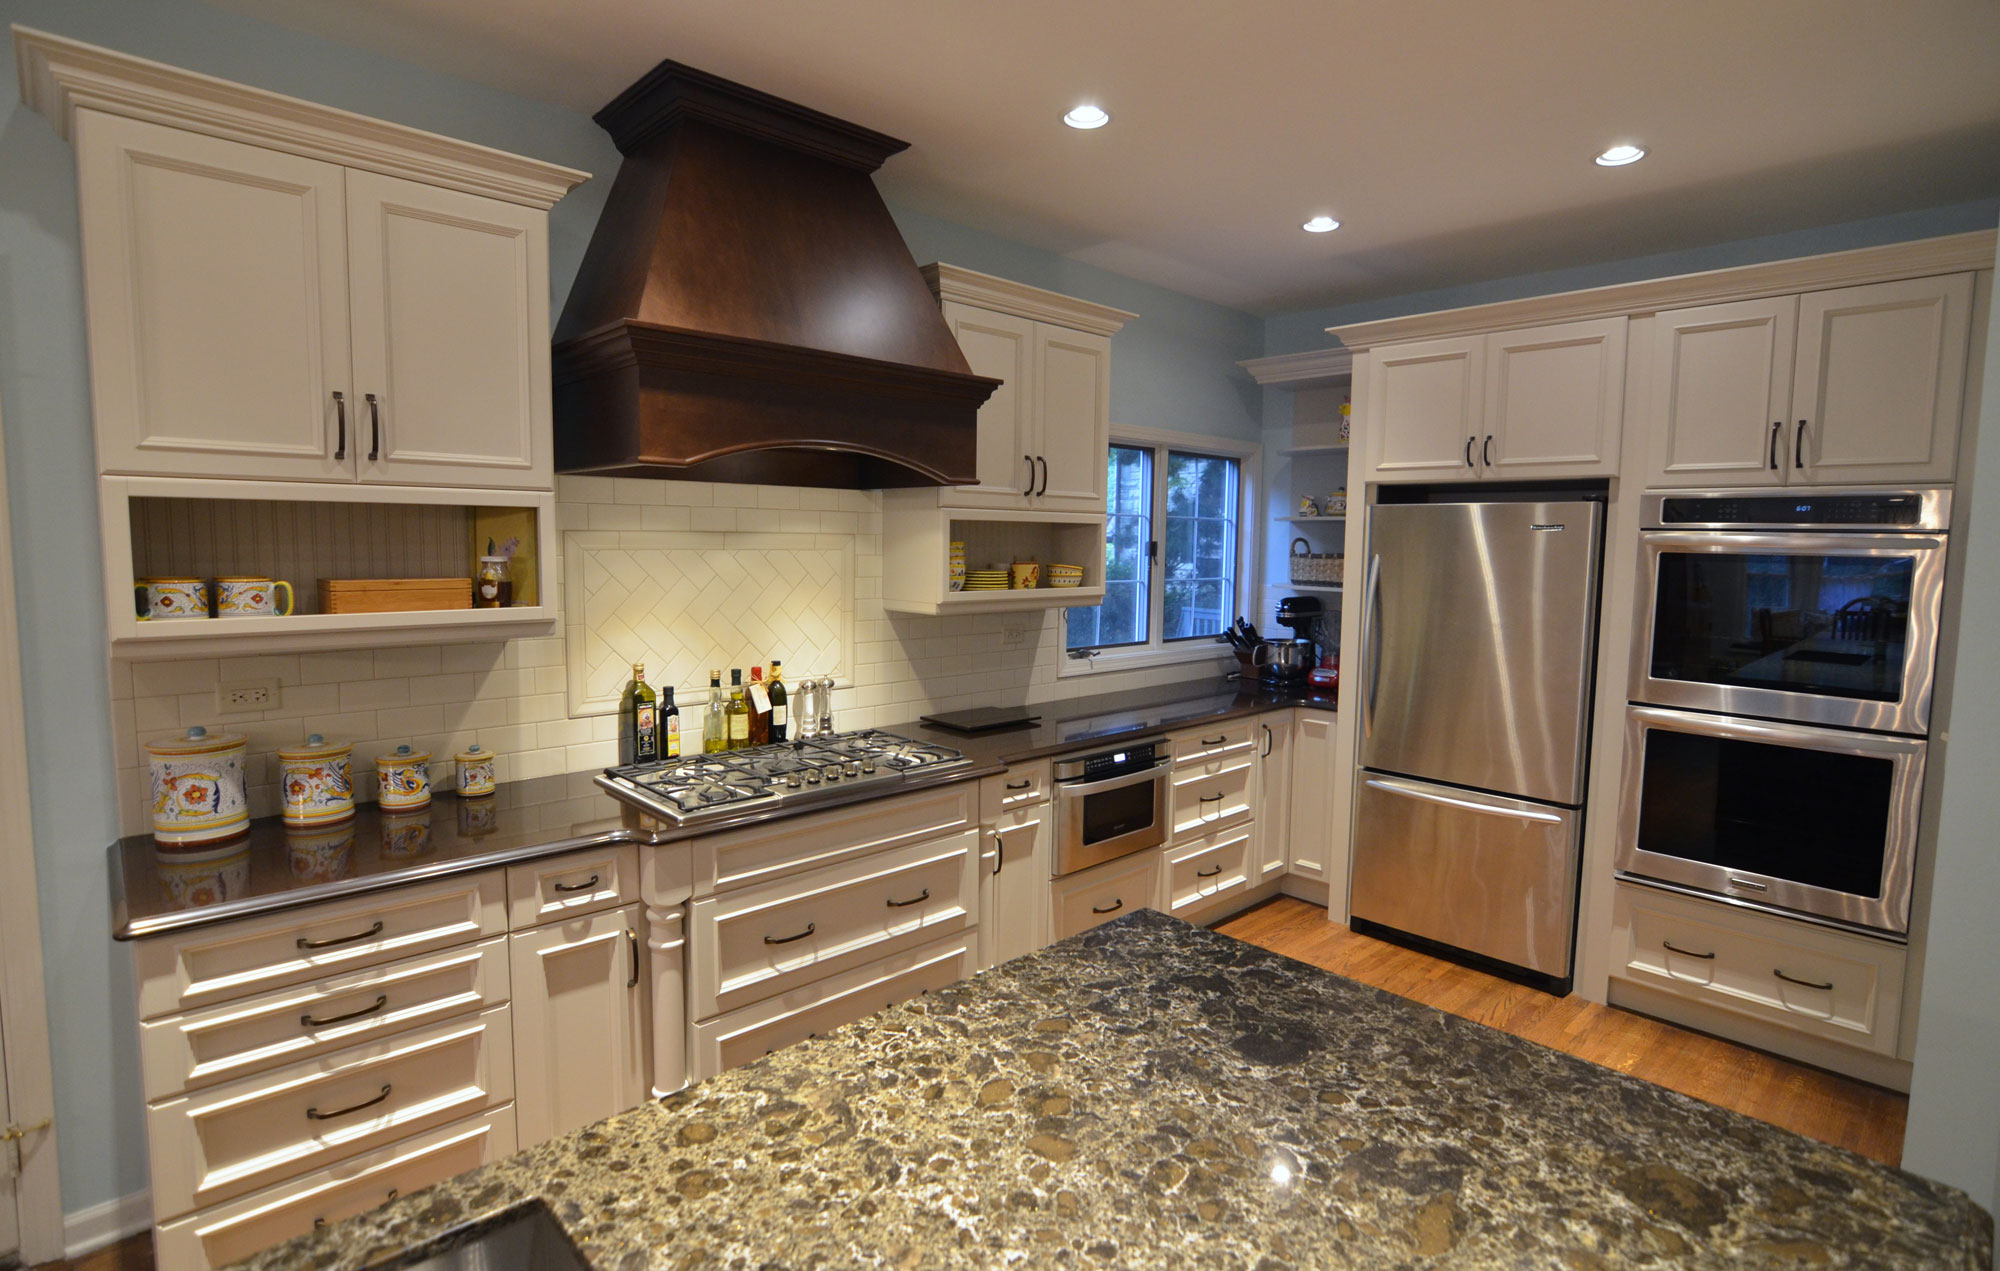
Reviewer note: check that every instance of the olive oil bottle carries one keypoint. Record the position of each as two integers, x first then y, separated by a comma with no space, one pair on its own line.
638,720
670,724
738,712
780,716
760,709
715,720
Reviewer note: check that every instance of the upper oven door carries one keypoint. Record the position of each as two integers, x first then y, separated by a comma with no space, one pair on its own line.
1819,628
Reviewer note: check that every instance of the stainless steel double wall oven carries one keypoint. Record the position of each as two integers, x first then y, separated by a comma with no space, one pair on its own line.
1781,691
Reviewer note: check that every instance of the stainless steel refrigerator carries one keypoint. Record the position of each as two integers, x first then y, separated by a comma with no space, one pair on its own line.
1479,635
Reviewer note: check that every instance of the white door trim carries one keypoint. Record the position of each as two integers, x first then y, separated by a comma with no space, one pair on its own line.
23,1004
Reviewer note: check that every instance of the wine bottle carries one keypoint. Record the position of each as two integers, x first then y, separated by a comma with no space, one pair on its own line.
760,709
670,725
780,714
639,720
715,720
738,711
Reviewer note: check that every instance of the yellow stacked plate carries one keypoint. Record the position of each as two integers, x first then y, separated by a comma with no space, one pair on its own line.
986,580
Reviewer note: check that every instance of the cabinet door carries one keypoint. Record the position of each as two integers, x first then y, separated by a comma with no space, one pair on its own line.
1001,346
1881,371
1274,796
1721,386
451,335
1015,886
1555,400
1312,795
1426,403
1072,419
580,1040
216,280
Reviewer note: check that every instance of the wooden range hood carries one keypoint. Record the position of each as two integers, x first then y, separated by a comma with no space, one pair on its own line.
748,311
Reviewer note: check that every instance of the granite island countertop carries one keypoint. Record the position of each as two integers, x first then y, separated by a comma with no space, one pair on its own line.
1150,1094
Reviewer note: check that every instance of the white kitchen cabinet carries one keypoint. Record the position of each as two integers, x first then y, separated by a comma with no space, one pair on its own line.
1073,419
1312,796
1274,796
1203,878
1426,404
450,320
215,276
1555,400
1000,346
1078,902
580,1038
1014,883
1721,390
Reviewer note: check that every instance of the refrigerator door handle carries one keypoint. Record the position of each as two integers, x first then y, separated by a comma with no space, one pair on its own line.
1371,635
1469,805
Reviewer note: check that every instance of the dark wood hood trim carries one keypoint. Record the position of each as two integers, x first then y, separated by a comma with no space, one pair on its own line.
671,93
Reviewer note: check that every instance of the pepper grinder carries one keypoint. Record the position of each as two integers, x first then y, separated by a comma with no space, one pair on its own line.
826,707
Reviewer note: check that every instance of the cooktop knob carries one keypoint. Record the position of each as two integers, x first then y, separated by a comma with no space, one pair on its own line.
851,768
793,780
812,776
867,765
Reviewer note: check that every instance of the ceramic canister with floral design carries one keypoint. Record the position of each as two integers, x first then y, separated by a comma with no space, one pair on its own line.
251,597
316,781
405,834
198,788
475,771
403,780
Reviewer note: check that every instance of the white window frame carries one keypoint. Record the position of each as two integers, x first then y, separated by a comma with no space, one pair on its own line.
1249,494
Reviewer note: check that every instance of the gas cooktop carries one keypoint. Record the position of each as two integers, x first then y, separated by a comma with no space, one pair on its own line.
843,766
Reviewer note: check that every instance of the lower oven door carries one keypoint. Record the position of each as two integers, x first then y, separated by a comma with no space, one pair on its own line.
1098,821
1815,820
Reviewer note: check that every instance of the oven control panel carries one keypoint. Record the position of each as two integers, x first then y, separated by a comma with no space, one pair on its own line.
1136,757
1865,510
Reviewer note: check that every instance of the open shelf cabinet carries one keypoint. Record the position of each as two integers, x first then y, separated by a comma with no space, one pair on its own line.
916,556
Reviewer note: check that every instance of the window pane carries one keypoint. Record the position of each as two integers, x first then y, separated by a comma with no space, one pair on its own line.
1121,619
1200,595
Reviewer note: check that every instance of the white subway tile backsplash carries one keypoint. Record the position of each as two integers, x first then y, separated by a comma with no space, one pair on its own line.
429,689
638,490
614,516
334,668
373,694
472,657
414,661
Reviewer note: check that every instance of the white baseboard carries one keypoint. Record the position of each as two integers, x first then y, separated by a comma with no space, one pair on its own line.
91,1228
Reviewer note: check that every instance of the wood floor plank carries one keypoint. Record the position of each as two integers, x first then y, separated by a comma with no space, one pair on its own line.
1821,1105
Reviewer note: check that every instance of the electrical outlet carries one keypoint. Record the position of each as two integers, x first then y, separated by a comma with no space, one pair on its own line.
1014,633
245,697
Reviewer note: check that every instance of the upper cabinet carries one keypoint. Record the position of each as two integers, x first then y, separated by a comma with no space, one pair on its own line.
1848,386
1535,403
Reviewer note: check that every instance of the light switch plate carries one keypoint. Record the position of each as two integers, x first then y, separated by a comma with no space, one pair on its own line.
246,697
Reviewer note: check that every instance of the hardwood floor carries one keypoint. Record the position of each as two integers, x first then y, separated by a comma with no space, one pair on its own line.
1822,1105
135,1253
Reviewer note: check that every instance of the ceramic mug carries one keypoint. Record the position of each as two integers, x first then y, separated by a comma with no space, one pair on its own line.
171,597
250,597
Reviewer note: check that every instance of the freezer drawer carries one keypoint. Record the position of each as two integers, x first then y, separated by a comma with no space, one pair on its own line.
1481,872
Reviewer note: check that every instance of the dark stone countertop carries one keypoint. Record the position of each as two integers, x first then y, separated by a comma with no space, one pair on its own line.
1155,1095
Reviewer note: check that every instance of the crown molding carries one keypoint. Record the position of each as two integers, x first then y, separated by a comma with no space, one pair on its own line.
60,76
1949,254
1316,369
984,291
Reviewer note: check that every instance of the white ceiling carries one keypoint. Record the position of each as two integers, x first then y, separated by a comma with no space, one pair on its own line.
1453,138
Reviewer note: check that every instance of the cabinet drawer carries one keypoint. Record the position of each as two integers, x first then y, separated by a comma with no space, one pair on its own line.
1214,795
571,885
1222,741
732,1040
237,959
1021,786
232,1232
218,1144
1844,988
1082,901
1203,875
221,1043
740,857
757,941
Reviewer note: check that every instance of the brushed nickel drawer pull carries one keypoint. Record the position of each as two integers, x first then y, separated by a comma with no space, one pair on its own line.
375,930
586,885
1671,947
1208,873
316,1115
916,900
381,1000
810,928
1113,908
1804,984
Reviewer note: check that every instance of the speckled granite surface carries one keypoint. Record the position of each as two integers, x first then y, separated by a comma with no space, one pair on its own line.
1155,1095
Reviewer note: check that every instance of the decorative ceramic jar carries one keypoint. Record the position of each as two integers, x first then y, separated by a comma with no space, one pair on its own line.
198,788
475,771
957,565
251,597
406,834
403,780
316,781
1026,575
321,855
171,598
190,880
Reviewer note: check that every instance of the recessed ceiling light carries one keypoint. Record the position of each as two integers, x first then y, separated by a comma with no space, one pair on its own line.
1087,116
1619,156
1320,225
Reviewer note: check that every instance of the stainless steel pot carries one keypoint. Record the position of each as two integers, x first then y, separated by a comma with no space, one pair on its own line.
1284,659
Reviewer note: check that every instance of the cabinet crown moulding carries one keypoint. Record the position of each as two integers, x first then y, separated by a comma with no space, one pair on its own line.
999,295
1949,254
61,76
1318,368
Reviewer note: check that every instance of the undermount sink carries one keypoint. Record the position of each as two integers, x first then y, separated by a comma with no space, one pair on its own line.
524,1237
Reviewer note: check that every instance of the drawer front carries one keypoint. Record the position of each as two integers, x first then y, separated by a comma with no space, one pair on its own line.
238,959
1082,901
1844,988
1214,795
232,1232
572,885
732,1040
738,858
221,1043
758,941
1021,786
217,1144
1203,875
1221,741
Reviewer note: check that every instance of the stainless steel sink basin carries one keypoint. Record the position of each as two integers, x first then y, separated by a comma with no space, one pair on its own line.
524,1237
